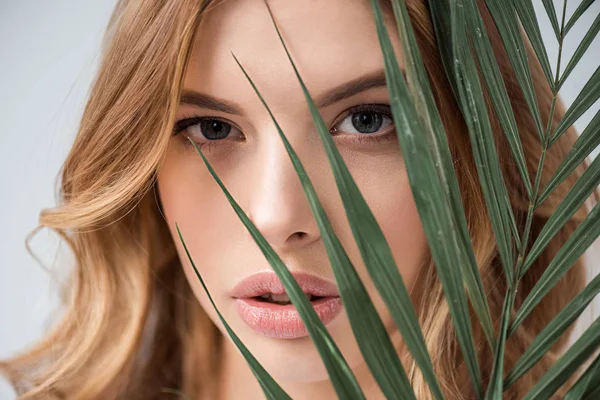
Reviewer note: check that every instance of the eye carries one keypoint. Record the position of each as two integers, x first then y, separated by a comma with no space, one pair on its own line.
205,129
365,119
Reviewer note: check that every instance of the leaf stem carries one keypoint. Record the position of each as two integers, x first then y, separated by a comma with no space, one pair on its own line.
538,176
533,202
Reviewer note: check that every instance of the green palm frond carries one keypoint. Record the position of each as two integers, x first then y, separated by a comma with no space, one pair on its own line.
530,24
505,18
553,331
580,51
441,158
585,144
271,389
585,385
567,364
472,70
586,98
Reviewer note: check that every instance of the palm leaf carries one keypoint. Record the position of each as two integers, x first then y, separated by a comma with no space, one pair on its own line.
583,6
580,51
593,385
366,324
495,193
529,21
585,381
496,88
593,392
585,185
495,388
378,352
441,26
434,131
506,21
553,331
435,134
271,389
567,364
583,147
551,11
458,26
340,374
586,98
581,239
481,134
429,197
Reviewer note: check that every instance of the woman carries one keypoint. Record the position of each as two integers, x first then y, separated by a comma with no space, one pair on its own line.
137,320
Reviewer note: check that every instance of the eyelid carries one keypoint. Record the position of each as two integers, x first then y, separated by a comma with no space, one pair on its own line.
381,108
192,119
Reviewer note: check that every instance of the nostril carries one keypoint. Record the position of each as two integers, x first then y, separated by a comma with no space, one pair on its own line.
300,235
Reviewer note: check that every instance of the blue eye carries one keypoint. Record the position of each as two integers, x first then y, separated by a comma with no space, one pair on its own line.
205,129
214,129
365,119
361,124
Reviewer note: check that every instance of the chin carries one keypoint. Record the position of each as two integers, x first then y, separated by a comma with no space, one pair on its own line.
290,360
298,359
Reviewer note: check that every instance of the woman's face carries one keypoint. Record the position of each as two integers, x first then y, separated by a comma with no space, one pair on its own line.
335,47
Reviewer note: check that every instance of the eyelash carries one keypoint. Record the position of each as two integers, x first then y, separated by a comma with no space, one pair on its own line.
384,109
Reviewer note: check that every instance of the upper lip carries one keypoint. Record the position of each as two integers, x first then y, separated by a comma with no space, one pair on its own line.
266,282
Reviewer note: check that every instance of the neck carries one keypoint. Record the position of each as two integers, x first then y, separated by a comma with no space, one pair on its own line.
236,380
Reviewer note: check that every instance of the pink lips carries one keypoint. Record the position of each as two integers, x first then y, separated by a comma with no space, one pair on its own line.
283,321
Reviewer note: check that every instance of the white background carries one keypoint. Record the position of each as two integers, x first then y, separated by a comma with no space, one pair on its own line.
48,56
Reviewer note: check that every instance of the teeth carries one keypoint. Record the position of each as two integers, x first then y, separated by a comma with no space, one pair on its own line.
280,298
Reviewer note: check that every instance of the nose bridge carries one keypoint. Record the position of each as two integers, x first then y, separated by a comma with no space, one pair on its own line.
278,205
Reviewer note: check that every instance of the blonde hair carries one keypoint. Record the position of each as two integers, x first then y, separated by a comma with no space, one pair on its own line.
128,288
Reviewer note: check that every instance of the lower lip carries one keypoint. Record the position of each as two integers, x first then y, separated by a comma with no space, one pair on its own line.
283,321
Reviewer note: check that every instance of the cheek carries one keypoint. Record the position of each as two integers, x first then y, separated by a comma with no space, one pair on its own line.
191,199
403,230
387,191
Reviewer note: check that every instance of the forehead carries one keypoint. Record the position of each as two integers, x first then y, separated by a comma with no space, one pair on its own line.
328,40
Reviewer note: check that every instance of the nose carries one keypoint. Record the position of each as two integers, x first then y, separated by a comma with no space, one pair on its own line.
278,205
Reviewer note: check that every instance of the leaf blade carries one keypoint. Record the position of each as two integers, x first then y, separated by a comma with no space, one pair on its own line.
583,147
340,373
271,389
552,332
340,260
417,76
580,51
584,100
474,110
495,388
583,6
372,337
567,364
551,12
530,23
580,191
497,89
506,22
429,198
581,239
579,389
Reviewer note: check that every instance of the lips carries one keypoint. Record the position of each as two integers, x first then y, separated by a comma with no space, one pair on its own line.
260,301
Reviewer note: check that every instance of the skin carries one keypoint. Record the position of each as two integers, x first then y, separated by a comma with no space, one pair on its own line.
332,43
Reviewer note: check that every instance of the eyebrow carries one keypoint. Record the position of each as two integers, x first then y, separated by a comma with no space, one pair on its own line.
209,102
348,89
